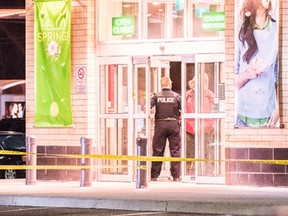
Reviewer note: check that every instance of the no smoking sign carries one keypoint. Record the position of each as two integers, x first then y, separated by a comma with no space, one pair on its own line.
81,80
81,73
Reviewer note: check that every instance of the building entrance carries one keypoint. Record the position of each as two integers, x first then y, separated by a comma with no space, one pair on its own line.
125,87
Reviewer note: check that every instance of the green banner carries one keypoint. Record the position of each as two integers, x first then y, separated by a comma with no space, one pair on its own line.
52,63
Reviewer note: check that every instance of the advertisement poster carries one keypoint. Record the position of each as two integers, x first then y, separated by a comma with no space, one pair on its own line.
256,63
14,109
52,63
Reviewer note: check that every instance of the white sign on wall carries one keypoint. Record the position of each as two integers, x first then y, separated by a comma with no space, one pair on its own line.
81,79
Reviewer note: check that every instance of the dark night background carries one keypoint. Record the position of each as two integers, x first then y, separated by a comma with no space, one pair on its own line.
12,42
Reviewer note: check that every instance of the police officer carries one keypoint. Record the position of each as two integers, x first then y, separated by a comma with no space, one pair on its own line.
168,106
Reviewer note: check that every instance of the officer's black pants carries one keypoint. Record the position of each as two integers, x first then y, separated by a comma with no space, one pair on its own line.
166,130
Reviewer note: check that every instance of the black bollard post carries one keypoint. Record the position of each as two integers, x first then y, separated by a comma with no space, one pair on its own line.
31,160
85,173
141,165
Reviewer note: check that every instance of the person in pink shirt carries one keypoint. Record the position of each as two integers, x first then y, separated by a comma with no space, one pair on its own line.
207,124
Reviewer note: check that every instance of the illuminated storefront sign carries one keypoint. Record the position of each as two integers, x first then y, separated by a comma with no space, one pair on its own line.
123,25
200,11
179,5
214,21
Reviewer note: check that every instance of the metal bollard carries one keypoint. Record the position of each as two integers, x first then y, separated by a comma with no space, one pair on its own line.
31,160
141,165
86,144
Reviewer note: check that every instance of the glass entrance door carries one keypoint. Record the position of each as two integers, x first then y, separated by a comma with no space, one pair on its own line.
147,72
125,87
115,124
125,84
203,118
159,67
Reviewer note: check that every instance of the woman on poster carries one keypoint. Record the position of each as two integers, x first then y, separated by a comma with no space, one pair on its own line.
257,65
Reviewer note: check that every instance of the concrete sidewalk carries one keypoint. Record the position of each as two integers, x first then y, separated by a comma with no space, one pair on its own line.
158,196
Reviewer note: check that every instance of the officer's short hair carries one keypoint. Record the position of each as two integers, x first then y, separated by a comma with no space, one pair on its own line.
165,81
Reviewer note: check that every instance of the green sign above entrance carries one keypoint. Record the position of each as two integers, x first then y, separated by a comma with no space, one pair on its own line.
213,21
123,25
179,5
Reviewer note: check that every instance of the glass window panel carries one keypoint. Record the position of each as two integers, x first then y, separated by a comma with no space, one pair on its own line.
189,146
206,87
206,148
122,28
189,123
114,141
197,12
211,87
178,20
165,19
139,94
158,19
211,149
140,127
190,83
114,88
203,130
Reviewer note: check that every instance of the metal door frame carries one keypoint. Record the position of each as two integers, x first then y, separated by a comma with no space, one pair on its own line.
196,59
126,60
146,61
149,62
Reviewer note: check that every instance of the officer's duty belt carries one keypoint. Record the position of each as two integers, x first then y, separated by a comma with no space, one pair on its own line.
168,119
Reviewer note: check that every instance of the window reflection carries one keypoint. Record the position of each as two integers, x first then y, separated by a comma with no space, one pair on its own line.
164,20
109,9
199,11
157,19
114,88
114,142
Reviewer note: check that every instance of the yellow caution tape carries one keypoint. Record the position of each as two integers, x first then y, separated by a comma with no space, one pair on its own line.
58,167
118,157
141,167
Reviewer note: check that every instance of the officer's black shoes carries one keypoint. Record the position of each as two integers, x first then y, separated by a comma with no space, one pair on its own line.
174,179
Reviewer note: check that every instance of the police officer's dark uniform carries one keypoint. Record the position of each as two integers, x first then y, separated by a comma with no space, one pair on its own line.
168,106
